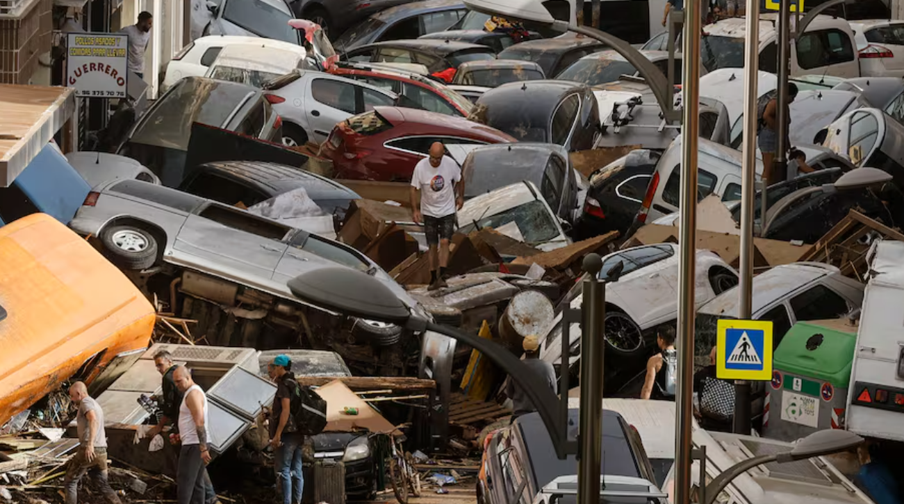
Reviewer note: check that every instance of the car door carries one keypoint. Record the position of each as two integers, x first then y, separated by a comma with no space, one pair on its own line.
818,302
331,101
829,51
646,289
564,120
230,242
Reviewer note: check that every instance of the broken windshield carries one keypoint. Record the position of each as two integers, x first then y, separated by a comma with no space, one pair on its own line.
532,221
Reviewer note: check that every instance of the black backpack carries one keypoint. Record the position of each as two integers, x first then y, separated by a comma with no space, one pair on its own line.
308,409
761,104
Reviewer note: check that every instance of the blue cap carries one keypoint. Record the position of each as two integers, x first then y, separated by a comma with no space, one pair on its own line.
281,360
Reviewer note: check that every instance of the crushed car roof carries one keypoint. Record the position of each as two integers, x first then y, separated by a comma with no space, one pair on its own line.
769,286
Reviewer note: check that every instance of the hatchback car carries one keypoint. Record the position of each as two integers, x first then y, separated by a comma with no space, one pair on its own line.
160,139
553,55
311,103
547,166
494,73
519,460
408,21
261,18
558,112
869,137
254,65
388,142
880,43
607,66
437,55
498,41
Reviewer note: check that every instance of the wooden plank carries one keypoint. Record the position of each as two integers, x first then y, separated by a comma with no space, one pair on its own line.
486,408
369,382
818,253
887,231
486,416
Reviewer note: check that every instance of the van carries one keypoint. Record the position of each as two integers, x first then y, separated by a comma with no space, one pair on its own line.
876,390
70,314
719,173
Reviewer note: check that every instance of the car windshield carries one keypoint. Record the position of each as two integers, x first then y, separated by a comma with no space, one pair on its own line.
474,20
499,76
722,52
594,71
168,123
265,18
532,220
364,33
458,58
254,78
546,59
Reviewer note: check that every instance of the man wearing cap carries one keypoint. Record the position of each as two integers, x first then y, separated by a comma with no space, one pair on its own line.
285,439
521,404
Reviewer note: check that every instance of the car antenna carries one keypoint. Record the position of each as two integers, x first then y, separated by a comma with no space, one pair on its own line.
524,86
98,158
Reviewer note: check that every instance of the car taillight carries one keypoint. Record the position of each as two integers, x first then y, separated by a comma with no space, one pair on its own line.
358,154
648,198
593,207
362,6
273,99
876,51
278,122
91,199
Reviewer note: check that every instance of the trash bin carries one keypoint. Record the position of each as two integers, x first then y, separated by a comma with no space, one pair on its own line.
811,373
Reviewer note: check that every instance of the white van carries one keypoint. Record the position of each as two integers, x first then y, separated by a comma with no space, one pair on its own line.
718,172
876,395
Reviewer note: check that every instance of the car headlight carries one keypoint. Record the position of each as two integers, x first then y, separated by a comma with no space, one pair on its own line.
357,450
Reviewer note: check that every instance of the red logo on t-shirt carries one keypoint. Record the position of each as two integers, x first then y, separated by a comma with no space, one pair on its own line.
437,183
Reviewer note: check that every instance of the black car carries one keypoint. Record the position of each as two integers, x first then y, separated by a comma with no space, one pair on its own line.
251,182
497,41
548,166
407,21
554,54
545,111
436,55
523,454
615,194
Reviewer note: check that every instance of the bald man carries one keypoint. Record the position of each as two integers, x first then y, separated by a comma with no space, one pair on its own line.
195,454
91,456
437,183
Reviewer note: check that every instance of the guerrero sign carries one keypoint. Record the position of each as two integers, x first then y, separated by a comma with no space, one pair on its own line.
97,64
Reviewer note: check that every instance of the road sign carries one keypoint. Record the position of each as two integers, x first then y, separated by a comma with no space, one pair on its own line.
796,5
744,350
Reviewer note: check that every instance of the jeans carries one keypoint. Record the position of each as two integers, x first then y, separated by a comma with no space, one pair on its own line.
288,468
191,477
79,466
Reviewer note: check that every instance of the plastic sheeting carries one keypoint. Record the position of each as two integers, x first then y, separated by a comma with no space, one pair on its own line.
296,209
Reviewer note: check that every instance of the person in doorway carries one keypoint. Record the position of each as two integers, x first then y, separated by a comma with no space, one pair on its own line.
286,441
661,365
139,36
768,134
521,403
437,180
91,456
195,453
169,401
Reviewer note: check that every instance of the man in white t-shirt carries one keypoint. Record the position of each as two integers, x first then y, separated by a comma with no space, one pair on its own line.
437,180
139,36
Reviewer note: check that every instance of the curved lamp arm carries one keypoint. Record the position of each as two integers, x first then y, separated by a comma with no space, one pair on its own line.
717,485
812,15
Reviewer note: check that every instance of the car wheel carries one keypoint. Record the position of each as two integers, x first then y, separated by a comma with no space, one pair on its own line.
379,334
722,280
622,334
293,136
129,247
320,16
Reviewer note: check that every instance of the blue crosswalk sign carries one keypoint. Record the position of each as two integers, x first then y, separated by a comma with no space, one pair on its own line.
744,350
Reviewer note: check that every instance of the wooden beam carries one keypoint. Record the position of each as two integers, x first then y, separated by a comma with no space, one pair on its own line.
369,382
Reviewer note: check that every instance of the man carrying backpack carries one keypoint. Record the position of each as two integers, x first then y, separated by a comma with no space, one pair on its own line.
285,437
767,137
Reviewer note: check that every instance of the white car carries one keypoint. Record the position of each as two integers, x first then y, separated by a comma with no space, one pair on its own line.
880,43
642,297
255,64
99,167
194,60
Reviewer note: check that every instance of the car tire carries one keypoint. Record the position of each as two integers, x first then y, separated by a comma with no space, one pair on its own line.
722,280
320,16
293,136
623,335
129,247
379,334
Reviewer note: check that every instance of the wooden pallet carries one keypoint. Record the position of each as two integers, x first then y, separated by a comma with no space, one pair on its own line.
847,244
464,410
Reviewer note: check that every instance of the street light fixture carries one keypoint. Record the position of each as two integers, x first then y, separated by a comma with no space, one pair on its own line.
824,442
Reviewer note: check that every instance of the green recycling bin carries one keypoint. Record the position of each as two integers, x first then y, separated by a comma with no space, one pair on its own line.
810,377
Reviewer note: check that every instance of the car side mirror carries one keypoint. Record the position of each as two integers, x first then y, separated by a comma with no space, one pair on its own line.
615,272
213,7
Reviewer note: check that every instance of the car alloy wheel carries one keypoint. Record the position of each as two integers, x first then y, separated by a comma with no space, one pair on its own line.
130,241
622,333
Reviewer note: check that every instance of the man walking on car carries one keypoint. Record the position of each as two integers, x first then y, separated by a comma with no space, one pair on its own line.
438,180
91,456
285,439
195,453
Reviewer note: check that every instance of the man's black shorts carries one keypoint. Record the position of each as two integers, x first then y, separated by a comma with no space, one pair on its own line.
437,228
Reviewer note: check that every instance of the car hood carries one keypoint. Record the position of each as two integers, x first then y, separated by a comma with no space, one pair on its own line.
333,441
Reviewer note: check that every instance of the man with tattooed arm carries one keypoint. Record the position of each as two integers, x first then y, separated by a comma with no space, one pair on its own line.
195,455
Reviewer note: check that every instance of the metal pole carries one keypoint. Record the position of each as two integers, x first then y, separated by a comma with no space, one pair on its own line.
591,413
687,256
595,13
784,54
748,195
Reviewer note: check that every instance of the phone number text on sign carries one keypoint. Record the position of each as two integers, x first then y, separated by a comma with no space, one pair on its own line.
97,64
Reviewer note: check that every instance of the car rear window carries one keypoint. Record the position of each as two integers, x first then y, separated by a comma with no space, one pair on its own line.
264,18
499,76
158,194
168,123
596,71
368,123
460,57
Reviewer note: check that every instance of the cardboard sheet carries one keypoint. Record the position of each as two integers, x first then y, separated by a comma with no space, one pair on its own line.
337,397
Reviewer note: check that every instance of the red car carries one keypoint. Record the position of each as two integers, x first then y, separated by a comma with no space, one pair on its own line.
422,92
386,143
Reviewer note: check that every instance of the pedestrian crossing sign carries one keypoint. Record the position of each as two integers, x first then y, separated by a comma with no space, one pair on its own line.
744,350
